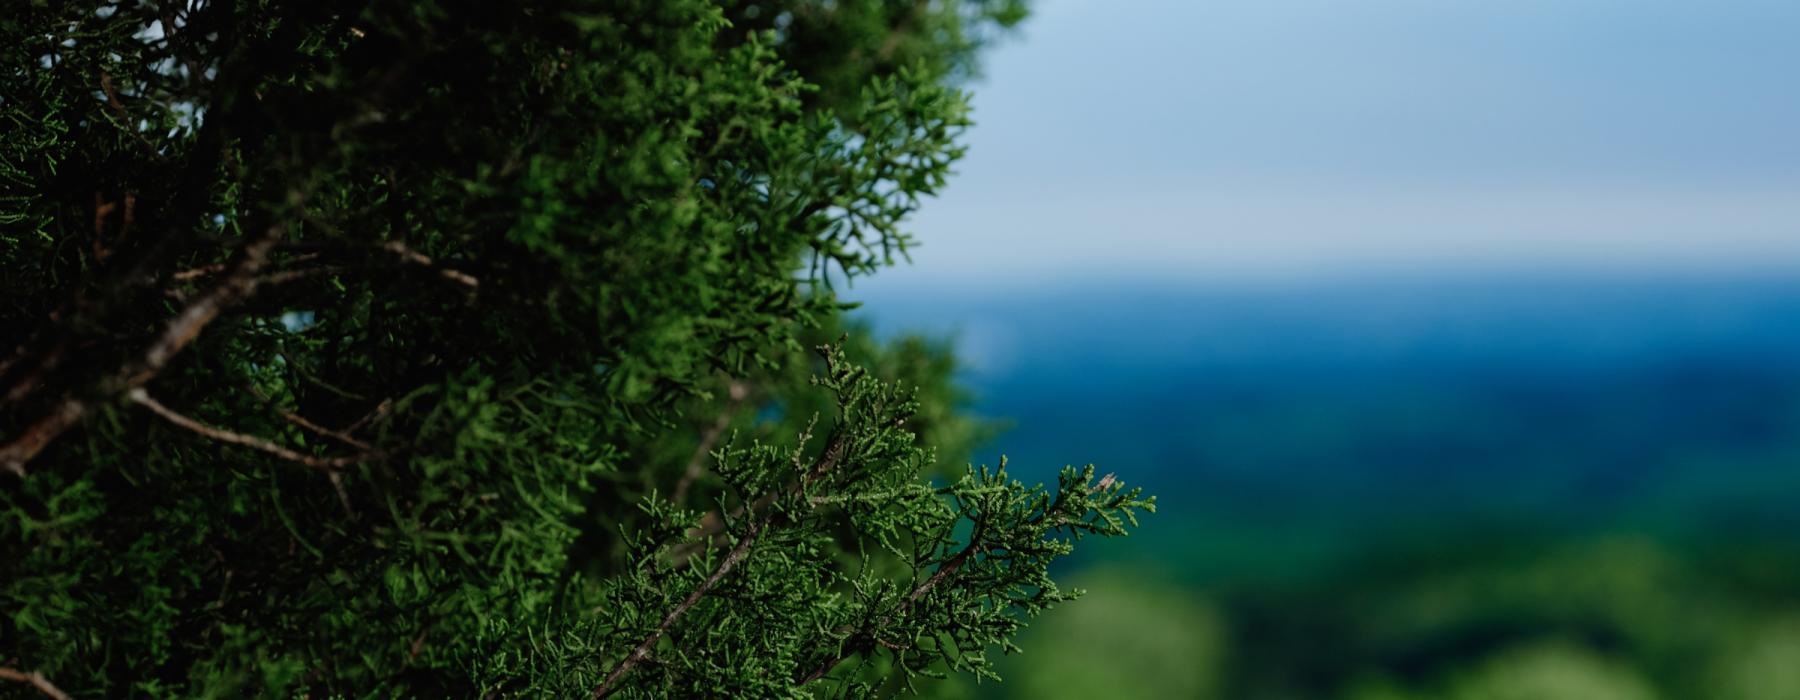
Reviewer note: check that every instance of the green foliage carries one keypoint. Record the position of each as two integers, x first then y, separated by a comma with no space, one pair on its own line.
1540,672
1461,616
461,348
1127,638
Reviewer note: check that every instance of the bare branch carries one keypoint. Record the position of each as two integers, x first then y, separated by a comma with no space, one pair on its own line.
233,288
142,398
237,284
381,411
197,272
287,276
343,494
420,259
697,464
15,454
399,250
216,268
306,424
35,680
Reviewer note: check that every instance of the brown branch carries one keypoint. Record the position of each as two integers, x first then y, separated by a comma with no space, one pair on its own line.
398,249
642,651
47,363
697,464
112,96
15,454
35,680
237,284
306,424
213,269
197,272
142,398
420,259
233,288
337,485
381,411
287,276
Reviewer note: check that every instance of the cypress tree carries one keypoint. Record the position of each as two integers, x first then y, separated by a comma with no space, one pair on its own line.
454,348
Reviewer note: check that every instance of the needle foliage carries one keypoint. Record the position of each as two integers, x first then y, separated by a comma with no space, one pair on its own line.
421,349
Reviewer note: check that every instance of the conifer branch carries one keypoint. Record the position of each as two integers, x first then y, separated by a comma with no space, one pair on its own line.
642,651
35,680
944,571
713,523
760,517
233,288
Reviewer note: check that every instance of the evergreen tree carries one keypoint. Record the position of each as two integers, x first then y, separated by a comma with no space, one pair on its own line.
454,348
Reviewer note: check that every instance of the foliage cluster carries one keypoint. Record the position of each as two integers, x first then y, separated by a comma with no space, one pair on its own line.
1462,616
466,348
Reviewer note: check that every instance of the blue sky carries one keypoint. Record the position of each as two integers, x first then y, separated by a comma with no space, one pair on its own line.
1275,139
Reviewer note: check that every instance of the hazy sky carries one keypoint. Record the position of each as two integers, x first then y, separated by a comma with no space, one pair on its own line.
1276,138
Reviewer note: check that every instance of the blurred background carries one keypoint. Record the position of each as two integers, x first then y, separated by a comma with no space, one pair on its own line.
1460,341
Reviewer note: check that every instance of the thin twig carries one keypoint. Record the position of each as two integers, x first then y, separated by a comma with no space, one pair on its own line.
233,288
417,258
197,272
142,398
381,411
306,424
35,680
302,421
337,484
213,269
697,463
287,276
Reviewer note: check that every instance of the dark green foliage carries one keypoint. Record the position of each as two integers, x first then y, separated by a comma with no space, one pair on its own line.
463,348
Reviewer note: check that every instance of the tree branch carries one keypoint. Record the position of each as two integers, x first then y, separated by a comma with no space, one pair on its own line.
697,464
642,651
35,680
420,259
142,398
943,573
760,517
713,523
307,424
236,285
